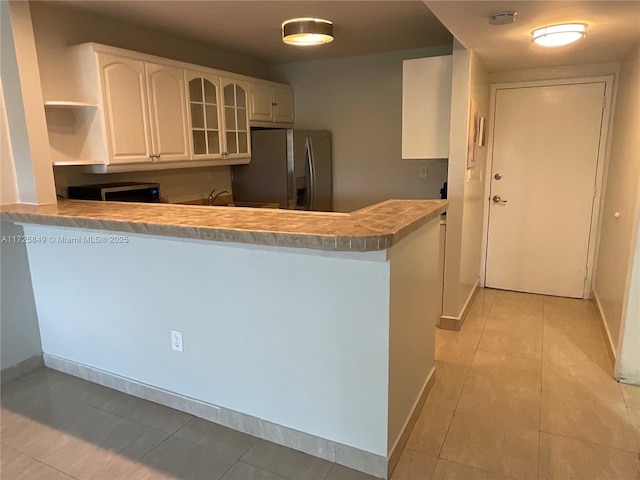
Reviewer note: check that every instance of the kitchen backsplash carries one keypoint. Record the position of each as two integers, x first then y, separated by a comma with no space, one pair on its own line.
175,185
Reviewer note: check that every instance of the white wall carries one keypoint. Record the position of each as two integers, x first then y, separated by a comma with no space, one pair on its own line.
466,186
19,332
359,99
414,313
307,349
617,235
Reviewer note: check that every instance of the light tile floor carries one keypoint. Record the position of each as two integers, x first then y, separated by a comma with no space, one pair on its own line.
523,391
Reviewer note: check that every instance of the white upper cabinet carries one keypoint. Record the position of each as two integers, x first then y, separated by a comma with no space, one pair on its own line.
235,118
271,104
124,93
168,112
145,110
131,111
204,107
283,108
262,103
426,107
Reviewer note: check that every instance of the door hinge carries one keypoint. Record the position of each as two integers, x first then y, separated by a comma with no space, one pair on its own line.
586,272
604,102
595,190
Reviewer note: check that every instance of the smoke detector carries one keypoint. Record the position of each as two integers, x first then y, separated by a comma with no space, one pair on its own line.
502,18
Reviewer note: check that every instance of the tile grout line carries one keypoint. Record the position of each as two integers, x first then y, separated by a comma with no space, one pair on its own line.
140,461
467,374
41,462
581,439
635,454
630,416
480,469
544,328
109,411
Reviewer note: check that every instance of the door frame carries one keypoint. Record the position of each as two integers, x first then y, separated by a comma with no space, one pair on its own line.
603,160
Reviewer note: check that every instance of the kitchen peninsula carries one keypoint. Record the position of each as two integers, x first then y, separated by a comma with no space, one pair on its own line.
313,330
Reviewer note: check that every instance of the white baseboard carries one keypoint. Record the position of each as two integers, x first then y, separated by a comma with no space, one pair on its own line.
346,455
401,441
605,329
455,323
21,368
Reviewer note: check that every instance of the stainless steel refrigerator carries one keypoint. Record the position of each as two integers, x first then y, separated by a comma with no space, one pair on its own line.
290,167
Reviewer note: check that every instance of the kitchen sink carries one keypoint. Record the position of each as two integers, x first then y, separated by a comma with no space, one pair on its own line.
250,204
205,201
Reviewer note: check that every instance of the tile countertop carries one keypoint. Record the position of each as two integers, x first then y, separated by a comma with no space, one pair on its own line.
377,227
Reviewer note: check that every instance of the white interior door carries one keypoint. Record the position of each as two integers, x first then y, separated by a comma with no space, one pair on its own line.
544,167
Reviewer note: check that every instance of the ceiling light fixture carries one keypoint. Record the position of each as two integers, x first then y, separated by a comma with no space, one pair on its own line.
502,18
558,35
307,31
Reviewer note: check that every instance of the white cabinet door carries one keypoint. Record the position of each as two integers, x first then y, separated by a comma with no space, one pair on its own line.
168,111
426,107
283,108
271,104
235,119
261,103
204,115
125,108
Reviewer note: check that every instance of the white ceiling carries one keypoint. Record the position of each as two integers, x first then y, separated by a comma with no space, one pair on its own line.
252,28
613,29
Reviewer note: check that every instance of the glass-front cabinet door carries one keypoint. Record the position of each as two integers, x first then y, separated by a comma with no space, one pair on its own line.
204,108
236,119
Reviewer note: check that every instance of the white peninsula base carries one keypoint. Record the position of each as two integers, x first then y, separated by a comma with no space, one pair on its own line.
330,353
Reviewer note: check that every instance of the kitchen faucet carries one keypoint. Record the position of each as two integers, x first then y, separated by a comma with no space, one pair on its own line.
212,197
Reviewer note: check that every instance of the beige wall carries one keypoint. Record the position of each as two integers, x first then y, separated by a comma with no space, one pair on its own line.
24,106
617,235
466,186
628,367
359,99
8,186
554,73
175,185
58,26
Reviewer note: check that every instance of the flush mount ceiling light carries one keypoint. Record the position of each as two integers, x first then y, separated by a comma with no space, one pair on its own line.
558,35
307,31
502,18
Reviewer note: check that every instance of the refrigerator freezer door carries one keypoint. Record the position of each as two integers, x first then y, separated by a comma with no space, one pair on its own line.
320,140
312,169
266,178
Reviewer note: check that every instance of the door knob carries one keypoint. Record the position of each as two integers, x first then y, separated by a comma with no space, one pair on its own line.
498,199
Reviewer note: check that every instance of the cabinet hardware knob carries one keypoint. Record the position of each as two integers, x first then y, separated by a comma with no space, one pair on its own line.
274,104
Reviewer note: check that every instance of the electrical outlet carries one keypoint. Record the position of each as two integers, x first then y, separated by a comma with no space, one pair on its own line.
424,172
176,341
